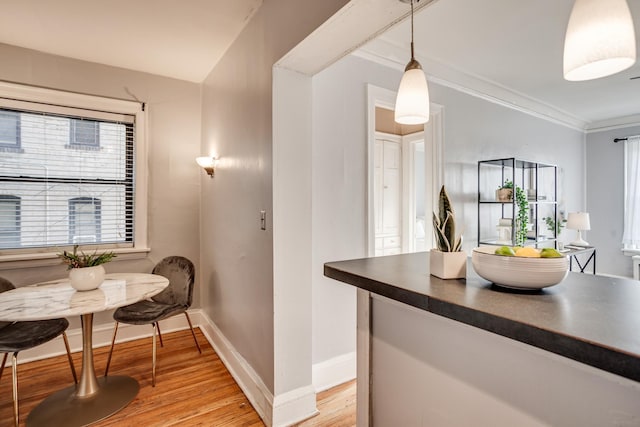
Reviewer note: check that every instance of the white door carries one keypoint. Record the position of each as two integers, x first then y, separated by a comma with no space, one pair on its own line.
392,188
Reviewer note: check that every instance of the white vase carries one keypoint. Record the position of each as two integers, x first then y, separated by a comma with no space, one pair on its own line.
448,265
87,278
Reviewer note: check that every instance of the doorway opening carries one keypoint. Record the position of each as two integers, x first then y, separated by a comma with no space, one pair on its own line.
404,177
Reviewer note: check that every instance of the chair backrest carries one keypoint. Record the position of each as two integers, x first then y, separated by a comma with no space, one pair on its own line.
5,285
180,272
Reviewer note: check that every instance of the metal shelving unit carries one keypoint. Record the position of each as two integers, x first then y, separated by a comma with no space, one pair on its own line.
540,183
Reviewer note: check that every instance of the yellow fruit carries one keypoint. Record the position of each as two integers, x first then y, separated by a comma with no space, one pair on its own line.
528,252
505,251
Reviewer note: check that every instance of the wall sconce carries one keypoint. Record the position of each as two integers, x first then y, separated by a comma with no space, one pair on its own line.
600,40
579,221
208,164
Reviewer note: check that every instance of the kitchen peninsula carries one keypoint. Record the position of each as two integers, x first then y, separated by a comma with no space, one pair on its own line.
456,353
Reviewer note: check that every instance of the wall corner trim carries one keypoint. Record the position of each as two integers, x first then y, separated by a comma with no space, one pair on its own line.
281,410
294,406
249,381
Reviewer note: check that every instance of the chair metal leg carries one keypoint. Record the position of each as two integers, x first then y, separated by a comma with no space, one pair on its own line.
14,372
159,334
113,341
66,346
153,362
193,332
4,361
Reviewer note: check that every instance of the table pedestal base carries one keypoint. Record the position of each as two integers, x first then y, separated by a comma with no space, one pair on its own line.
65,409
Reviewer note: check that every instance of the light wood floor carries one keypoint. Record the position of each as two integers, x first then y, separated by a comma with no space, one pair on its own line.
191,389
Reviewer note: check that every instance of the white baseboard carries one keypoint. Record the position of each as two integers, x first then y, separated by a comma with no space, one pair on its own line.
335,371
284,410
294,406
248,380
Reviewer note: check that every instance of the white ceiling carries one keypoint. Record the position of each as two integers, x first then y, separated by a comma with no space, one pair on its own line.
180,39
511,50
506,50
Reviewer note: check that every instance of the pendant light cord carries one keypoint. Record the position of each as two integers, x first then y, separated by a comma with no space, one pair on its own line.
412,56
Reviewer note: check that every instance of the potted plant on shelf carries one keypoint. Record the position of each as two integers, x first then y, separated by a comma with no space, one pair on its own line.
555,227
504,193
85,270
522,218
448,261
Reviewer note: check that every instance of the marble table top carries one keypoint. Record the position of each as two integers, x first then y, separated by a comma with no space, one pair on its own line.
57,298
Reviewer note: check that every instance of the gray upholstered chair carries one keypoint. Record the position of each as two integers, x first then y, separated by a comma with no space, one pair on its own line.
173,300
18,336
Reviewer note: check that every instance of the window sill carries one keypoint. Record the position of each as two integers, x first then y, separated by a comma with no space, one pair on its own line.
631,252
11,149
44,259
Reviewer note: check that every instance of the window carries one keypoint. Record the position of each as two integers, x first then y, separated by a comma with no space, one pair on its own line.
84,134
9,221
84,220
631,236
78,178
9,130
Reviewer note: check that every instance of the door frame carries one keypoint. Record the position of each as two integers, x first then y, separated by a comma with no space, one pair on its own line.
433,138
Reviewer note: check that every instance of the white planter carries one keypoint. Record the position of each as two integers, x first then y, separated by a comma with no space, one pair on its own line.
448,265
87,278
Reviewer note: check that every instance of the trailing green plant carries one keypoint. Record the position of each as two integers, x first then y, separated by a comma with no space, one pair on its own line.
522,218
444,225
81,260
554,226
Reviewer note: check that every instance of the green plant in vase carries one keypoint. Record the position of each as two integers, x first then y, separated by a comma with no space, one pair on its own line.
504,193
86,272
553,226
444,225
82,260
522,218
447,260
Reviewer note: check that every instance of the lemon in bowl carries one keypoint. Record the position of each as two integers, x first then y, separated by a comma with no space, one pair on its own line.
528,252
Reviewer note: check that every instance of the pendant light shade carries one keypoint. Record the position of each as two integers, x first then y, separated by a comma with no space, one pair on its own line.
412,101
600,40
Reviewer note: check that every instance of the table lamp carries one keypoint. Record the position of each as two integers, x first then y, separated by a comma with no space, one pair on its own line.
579,221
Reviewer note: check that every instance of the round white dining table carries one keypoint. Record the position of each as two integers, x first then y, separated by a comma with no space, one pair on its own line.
92,399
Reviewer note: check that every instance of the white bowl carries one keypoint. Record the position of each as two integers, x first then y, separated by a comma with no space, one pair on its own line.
518,272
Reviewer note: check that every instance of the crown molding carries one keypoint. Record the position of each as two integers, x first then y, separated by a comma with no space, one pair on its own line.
615,123
385,52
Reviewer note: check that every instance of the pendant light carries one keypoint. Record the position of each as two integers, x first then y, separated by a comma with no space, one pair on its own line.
600,39
412,101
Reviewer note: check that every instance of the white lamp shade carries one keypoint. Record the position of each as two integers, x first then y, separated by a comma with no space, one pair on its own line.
206,162
412,102
578,221
600,39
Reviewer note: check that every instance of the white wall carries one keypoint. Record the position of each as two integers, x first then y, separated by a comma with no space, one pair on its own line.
474,130
339,191
605,199
479,130
238,257
173,143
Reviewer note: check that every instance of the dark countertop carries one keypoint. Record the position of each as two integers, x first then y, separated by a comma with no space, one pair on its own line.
591,319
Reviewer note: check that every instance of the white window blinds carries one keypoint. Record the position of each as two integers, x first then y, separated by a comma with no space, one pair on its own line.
66,176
